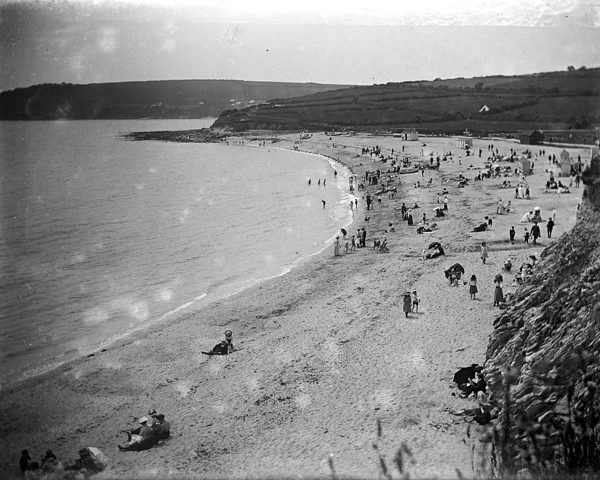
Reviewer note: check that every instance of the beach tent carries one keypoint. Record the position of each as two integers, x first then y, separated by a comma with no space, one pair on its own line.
483,109
463,142
565,164
525,165
410,134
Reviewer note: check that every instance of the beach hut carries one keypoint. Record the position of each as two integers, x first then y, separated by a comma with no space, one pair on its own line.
525,165
565,164
463,142
532,138
409,134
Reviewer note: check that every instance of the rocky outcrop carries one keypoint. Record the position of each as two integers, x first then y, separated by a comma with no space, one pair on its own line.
203,135
542,360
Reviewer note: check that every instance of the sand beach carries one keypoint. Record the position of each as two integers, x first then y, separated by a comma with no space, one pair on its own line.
325,351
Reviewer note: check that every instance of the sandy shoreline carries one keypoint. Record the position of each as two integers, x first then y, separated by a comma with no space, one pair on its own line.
326,350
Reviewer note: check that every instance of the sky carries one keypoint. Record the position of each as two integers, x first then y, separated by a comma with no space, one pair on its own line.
344,42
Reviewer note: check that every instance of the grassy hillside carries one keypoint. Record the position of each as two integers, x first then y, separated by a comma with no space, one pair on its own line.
157,99
551,101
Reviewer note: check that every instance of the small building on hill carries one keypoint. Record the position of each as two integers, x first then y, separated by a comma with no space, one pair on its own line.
532,138
409,134
565,164
525,165
463,142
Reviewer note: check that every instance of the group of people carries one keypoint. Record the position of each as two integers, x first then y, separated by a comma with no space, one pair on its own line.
410,303
90,462
152,428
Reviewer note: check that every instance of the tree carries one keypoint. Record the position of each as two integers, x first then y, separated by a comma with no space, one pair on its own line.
478,86
570,68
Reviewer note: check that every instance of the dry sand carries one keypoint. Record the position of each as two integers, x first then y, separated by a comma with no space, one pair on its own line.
326,350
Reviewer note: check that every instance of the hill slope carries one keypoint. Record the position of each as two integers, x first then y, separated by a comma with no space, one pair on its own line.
545,100
155,99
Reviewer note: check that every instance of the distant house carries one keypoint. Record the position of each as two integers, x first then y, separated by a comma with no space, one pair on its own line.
565,164
409,134
525,165
532,138
463,142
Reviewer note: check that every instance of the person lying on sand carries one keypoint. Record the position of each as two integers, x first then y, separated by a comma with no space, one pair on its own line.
223,348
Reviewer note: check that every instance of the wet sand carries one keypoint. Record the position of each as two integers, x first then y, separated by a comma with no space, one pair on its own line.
325,350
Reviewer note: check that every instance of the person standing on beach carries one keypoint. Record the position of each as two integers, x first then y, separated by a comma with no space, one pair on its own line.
484,252
409,217
473,287
309,182
445,203
336,247
415,302
353,243
535,233
406,304
511,234
498,294
323,203
363,237
24,462
549,227
356,203
351,206
526,237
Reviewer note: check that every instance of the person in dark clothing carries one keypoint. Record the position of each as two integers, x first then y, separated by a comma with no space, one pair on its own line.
511,234
223,348
535,233
164,427
48,456
474,385
24,462
549,227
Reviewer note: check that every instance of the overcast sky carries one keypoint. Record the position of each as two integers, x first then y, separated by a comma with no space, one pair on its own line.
326,41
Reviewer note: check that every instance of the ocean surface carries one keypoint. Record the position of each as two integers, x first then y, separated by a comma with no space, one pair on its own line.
100,235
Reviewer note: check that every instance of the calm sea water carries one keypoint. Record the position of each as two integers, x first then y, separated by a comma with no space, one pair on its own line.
101,235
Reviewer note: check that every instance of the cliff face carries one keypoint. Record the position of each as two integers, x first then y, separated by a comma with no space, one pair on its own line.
550,340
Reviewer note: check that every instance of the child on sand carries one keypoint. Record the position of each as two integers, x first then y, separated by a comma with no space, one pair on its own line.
415,302
526,237
473,286
484,251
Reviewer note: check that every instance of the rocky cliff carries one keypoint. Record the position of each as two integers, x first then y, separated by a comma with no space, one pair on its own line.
542,360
